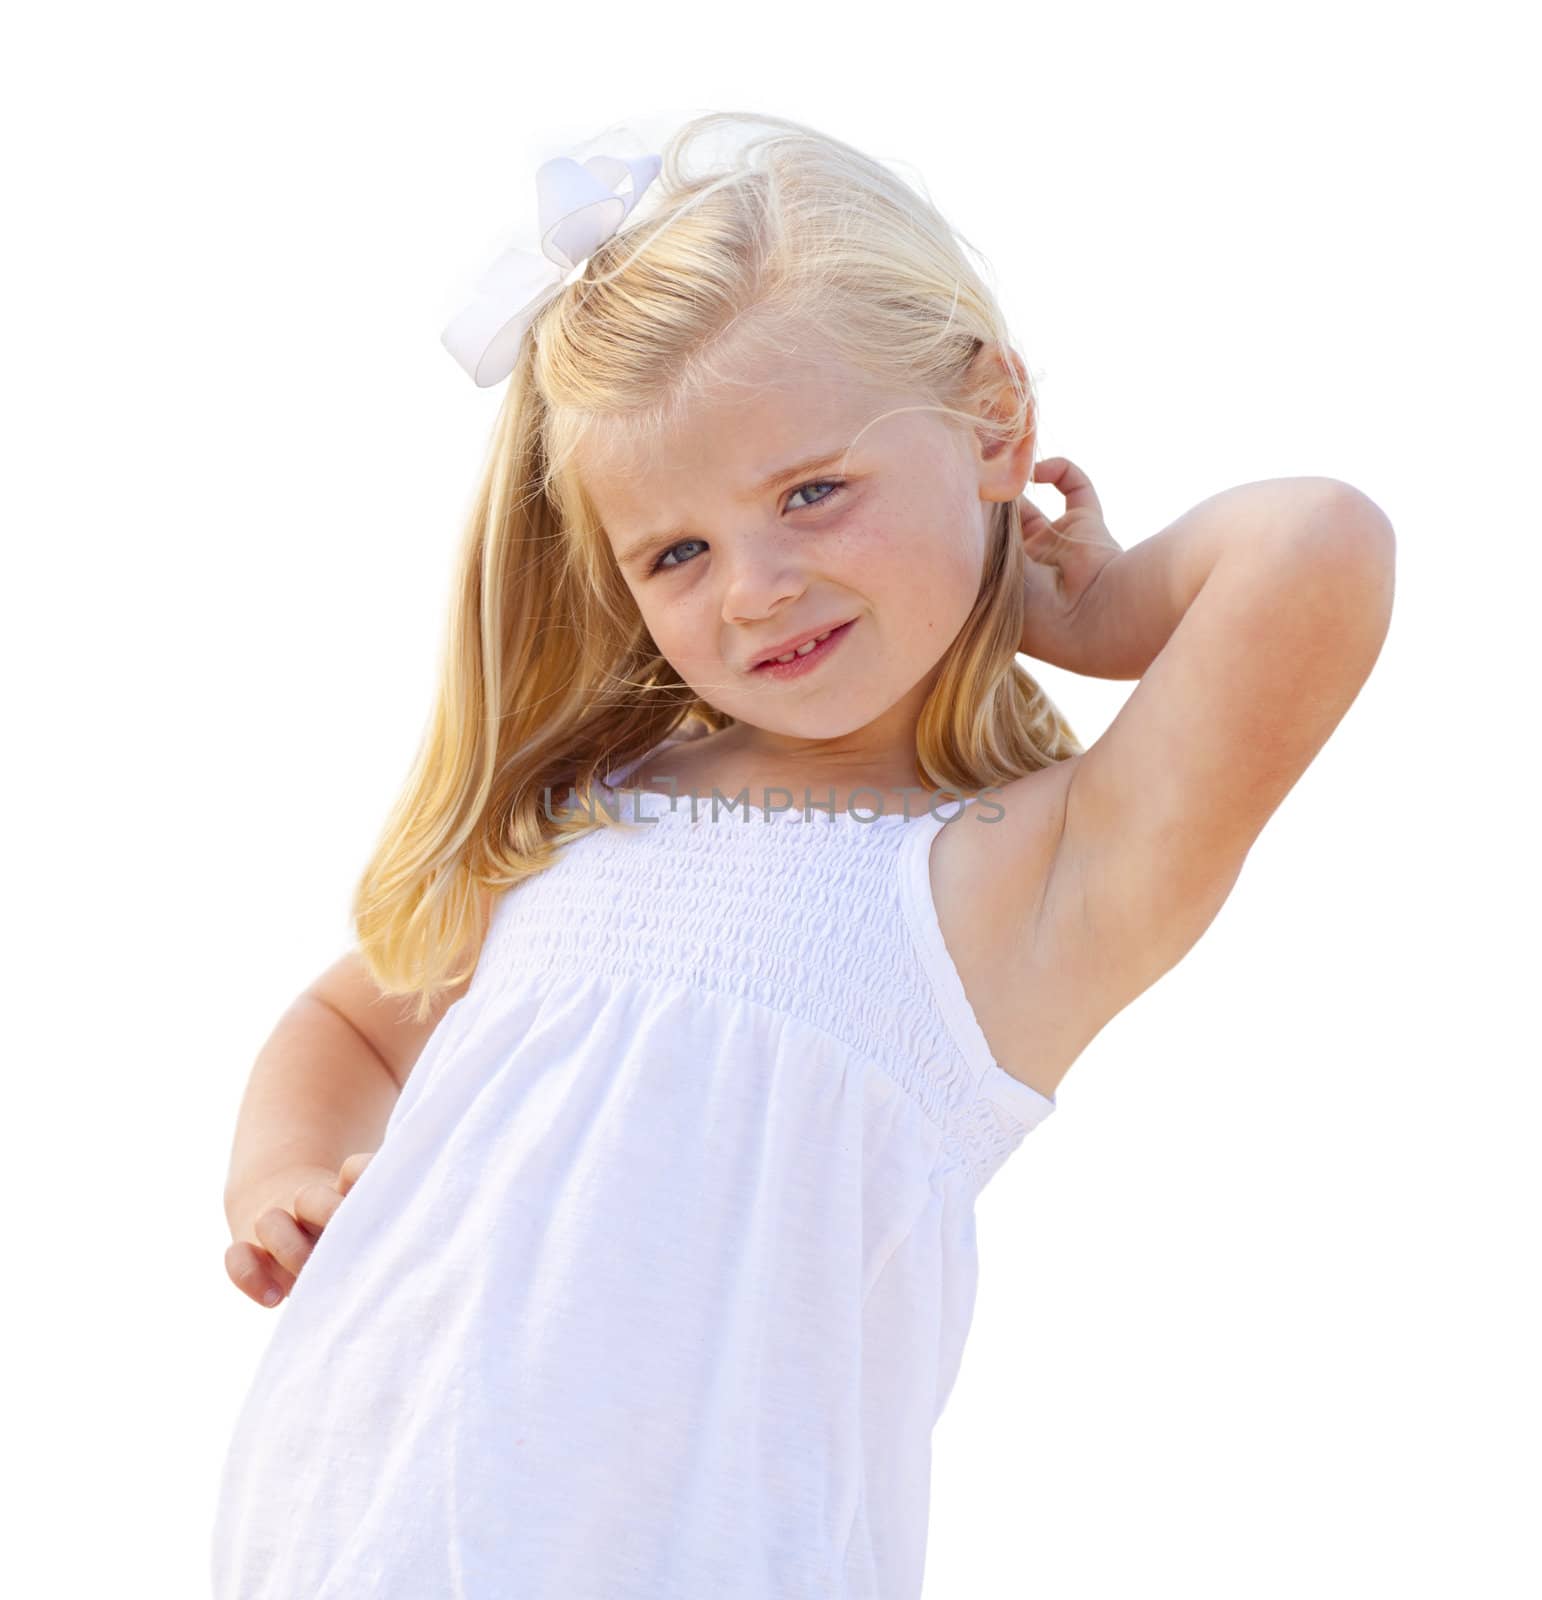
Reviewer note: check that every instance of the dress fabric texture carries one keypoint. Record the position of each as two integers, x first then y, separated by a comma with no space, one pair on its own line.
661,1275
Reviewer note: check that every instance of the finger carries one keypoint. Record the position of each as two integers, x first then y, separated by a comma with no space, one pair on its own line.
280,1275
248,1268
348,1173
1071,481
315,1204
284,1239
1039,533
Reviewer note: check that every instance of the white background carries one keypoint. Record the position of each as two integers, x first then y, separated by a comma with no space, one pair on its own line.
1257,1306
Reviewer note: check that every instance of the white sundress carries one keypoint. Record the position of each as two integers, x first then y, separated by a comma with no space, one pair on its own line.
662,1273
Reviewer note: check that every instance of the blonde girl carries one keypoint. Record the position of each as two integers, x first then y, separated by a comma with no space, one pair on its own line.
745,907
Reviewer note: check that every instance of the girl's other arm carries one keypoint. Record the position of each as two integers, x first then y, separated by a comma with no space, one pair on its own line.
1266,606
324,1085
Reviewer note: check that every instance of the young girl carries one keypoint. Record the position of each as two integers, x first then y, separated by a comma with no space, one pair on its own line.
752,901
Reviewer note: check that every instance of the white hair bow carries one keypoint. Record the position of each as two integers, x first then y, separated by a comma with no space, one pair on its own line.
579,210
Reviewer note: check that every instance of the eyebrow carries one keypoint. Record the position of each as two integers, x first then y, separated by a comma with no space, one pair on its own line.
640,547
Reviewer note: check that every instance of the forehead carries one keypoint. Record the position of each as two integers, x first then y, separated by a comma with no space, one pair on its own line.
754,418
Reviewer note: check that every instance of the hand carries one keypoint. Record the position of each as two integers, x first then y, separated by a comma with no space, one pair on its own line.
286,1234
1064,559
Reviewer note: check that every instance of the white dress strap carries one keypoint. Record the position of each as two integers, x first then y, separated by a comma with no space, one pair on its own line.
1019,1100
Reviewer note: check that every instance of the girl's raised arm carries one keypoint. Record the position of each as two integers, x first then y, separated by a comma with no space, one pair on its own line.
1266,606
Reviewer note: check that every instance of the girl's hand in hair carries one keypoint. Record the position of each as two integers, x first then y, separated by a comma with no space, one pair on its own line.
290,1217
1065,558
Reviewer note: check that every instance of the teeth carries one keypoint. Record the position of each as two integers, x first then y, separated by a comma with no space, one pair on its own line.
803,649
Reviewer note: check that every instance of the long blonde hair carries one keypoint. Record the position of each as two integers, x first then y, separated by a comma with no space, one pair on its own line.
548,676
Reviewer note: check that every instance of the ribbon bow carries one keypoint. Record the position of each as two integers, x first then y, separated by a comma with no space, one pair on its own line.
579,210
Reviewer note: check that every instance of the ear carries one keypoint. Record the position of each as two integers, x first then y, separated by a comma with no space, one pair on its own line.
1003,466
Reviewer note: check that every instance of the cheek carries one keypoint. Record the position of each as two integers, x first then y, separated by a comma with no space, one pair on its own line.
873,555
915,570
676,627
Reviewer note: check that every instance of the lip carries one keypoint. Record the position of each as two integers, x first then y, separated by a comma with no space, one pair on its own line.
811,661
793,643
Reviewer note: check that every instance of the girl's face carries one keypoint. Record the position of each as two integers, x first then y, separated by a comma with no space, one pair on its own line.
733,538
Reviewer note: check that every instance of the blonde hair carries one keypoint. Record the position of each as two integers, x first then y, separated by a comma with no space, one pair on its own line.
548,677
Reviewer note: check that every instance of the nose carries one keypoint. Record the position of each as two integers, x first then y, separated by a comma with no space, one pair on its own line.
760,583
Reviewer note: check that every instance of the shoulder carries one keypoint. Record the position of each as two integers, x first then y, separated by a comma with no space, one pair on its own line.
996,856
1012,908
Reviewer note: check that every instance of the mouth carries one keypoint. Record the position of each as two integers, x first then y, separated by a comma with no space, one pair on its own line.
794,663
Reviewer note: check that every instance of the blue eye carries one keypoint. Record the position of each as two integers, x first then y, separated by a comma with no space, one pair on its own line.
660,566
835,486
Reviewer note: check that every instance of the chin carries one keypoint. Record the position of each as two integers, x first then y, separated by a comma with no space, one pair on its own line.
812,723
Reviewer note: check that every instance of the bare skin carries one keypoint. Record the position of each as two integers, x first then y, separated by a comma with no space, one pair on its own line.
288,1229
